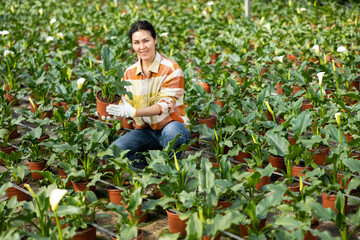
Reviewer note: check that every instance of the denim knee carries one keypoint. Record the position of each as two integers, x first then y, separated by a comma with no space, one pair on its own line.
171,130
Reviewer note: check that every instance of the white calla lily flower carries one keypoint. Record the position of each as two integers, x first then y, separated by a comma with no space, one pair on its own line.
41,11
267,26
52,21
342,50
320,75
49,39
337,118
80,82
280,58
55,197
7,52
210,3
5,32
165,34
316,49
60,35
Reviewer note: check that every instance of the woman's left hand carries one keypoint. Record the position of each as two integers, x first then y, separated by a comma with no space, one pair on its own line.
124,110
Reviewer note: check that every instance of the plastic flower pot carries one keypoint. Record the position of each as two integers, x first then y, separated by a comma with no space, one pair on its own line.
81,186
328,201
277,162
176,225
20,195
241,157
87,234
37,166
115,196
263,180
206,86
101,105
320,156
210,121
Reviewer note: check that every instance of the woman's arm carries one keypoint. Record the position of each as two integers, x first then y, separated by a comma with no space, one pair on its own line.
148,111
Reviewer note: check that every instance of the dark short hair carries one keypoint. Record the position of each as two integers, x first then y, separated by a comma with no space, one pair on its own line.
142,25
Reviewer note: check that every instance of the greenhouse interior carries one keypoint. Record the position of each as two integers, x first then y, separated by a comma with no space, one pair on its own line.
154,119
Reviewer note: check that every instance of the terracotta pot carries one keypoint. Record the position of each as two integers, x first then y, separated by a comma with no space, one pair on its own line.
295,89
127,124
158,193
206,86
48,114
306,104
20,195
223,205
81,186
221,103
355,155
214,56
7,150
339,179
101,106
348,137
291,140
279,90
176,225
241,156
140,235
115,196
38,166
63,175
244,228
196,143
263,180
293,187
328,201
10,97
320,156
210,237
355,84
269,116
14,133
277,162
139,215
87,234
210,122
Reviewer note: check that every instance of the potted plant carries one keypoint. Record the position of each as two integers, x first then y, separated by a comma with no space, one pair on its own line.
111,86
18,173
35,152
205,215
127,225
118,168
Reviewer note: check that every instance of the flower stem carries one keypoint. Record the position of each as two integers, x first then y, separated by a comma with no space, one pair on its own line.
58,225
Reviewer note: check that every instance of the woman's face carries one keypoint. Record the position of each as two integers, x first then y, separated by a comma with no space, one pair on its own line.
144,45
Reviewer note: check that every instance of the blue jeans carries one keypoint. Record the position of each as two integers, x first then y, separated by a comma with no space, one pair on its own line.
141,140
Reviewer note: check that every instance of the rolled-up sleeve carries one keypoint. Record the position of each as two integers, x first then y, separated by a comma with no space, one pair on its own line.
172,89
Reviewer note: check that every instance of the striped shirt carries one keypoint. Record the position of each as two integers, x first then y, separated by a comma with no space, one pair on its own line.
164,86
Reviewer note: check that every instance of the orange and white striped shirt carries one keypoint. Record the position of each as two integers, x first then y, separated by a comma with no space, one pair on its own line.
164,86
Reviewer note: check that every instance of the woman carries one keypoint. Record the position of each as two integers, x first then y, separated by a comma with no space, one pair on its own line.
157,86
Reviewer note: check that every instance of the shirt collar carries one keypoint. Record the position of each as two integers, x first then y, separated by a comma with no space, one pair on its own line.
154,66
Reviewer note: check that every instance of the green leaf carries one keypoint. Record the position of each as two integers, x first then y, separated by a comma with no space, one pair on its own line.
223,222
279,143
108,58
288,222
352,164
153,203
194,227
301,122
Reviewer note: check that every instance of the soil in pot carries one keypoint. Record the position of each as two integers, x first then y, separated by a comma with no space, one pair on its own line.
102,103
306,104
176,225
